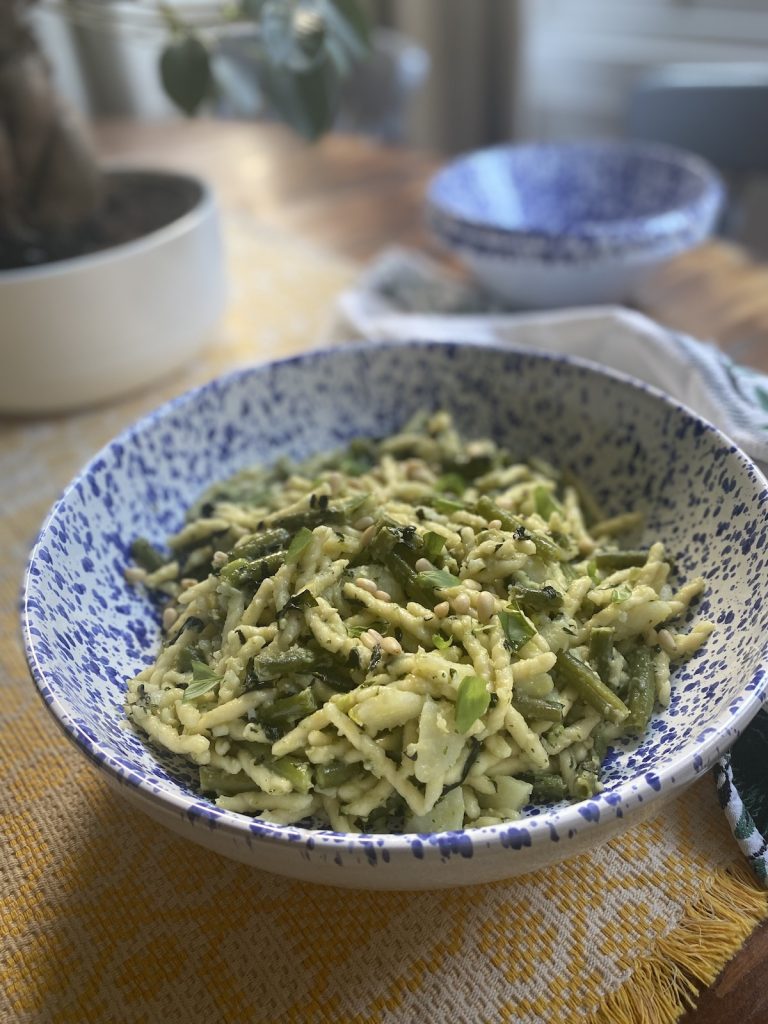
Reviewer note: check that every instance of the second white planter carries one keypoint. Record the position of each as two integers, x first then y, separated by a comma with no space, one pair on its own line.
85,330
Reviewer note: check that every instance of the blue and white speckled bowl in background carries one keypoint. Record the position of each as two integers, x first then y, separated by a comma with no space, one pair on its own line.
87,631
572,223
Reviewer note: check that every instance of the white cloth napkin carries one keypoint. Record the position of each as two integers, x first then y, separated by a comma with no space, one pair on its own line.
403,294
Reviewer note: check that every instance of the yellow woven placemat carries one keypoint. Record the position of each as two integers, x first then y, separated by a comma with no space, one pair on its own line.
108,917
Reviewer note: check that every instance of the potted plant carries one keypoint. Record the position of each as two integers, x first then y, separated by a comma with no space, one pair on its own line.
110,278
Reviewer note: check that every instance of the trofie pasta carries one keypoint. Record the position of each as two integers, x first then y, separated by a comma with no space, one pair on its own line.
414,634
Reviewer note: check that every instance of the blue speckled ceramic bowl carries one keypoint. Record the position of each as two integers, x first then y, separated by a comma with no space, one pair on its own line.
555,224
87,631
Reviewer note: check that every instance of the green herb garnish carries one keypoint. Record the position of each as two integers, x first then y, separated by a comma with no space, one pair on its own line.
203,680
298,545
471,702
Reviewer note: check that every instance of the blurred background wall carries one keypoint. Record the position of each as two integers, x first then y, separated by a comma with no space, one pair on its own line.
451,75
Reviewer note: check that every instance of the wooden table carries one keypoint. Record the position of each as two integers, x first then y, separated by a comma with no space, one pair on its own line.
355,197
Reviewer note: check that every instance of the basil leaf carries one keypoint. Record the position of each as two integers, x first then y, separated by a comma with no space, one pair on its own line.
518,628
437,578
300,542
433,545
471,702
203,680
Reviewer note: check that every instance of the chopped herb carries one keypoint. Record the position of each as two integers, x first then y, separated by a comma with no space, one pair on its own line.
298,545
472,701
313,501
437,579
451,482
520,533
203,680
322,501
240,635
421,515
518,628
621,593
441,643
433,545
375,658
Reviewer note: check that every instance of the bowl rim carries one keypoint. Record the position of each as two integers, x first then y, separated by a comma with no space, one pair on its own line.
711,189
563,822
202,209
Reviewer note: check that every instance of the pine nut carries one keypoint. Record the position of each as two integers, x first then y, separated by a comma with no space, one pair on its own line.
442,609
367,536
367,640
461,604
219,558
667,641
375,635
366,584
134,574
486,605
363,523
169,617
423,565
382,595
495,524
391,646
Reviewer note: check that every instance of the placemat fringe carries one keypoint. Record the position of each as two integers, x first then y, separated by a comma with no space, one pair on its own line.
690,957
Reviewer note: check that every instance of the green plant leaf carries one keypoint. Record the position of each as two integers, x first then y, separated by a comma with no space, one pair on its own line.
352,19
307,100
300,541
185,70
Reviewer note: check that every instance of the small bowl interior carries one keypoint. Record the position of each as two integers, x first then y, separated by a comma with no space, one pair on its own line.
87,631
559,189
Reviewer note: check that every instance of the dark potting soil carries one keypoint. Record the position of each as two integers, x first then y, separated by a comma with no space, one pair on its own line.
134,204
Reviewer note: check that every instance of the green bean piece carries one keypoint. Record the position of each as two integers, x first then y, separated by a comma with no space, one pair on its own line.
540,709
288,709
601,651
322,691
258,545
296,771
586,780
330,776
147,556
243,573
301,661
545,547
310,518
544,502
609,561
547,788
215,780
471,466
641,694
433,545
534,599
590,687
396,560
518,628
301,540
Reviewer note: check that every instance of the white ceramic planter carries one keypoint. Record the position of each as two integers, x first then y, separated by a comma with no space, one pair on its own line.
85,330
